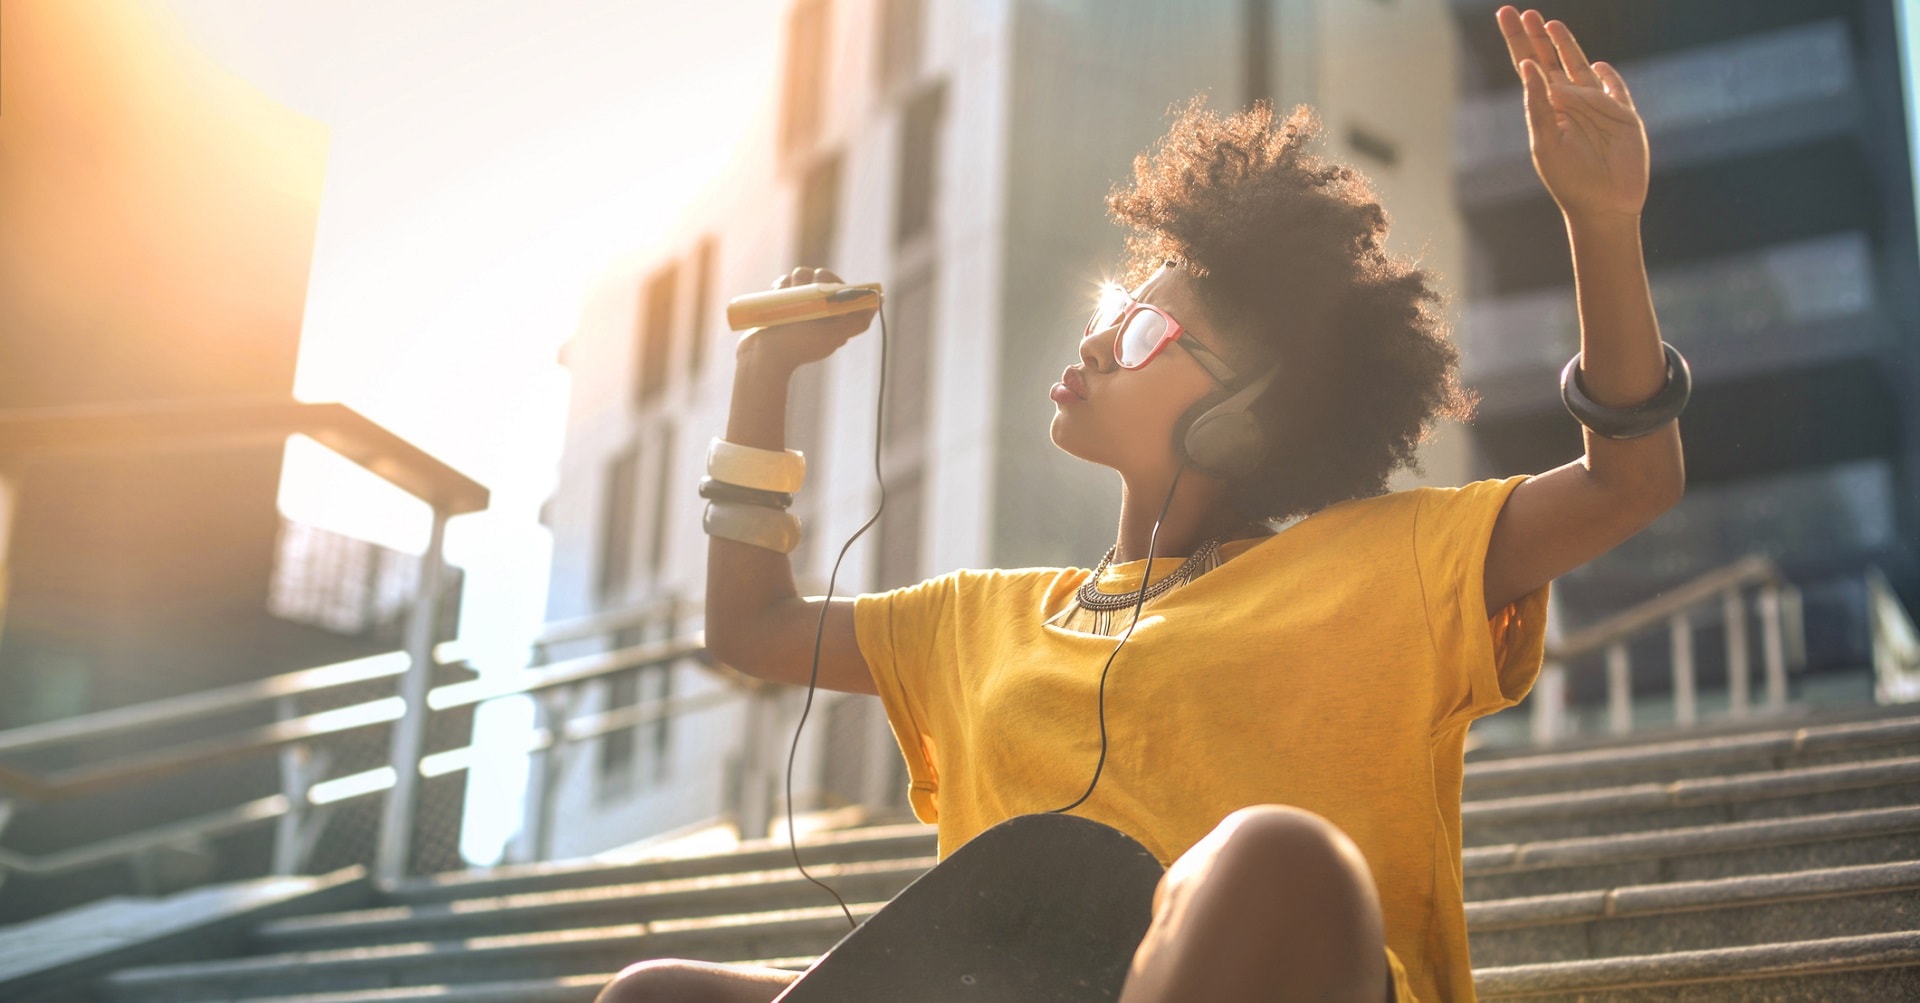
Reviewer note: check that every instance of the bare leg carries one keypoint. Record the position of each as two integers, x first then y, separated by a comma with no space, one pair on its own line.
1275,904
695,982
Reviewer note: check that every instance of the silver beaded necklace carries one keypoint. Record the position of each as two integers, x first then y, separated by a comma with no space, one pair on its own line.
1103,604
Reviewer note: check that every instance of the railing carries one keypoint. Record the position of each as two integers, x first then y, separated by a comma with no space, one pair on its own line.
301,808
1782,641
1895,642
26,436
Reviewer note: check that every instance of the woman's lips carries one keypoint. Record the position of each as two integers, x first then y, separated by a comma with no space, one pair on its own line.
1071,389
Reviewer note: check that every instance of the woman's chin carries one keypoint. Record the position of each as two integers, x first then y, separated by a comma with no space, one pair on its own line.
1064,438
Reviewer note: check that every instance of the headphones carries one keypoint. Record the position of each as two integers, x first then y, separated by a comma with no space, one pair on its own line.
1219,436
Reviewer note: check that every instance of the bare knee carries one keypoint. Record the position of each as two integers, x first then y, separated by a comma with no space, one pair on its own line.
674,981
1281,853
1268,840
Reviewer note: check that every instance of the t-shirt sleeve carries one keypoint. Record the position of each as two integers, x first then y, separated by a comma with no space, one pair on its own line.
1488,659
899,635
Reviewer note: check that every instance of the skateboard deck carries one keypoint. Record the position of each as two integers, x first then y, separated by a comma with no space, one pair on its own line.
1037,909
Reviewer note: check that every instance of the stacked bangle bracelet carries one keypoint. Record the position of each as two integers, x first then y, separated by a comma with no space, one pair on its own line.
721,491
1635,420
748,491
752,525
762,469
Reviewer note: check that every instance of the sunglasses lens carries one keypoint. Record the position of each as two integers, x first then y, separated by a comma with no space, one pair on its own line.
1143,331
1106,313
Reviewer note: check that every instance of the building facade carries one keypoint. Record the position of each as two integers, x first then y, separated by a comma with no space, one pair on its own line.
959,153
1779,234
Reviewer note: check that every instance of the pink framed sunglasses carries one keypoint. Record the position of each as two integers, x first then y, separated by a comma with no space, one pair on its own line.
1145,330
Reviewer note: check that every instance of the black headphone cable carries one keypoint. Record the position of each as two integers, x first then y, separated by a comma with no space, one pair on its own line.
1139,602
820,630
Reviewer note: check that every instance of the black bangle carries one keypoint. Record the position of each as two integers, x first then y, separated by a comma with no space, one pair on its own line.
1635,420
721,491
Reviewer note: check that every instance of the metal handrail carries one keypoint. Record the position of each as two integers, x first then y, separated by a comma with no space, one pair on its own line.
183,756
208,703
300,808
1782,641
225,423
1754,569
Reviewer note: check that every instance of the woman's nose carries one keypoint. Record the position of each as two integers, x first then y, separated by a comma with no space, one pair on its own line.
1096,347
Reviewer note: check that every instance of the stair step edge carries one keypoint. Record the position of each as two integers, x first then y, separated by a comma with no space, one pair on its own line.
1640,901
1805,957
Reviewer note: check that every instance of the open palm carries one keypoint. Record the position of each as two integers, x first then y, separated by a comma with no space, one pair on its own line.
1588,142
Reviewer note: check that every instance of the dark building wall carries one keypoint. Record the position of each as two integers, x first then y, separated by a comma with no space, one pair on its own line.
1779,234
159,220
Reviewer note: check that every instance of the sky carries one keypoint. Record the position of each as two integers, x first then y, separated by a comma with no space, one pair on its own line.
487,160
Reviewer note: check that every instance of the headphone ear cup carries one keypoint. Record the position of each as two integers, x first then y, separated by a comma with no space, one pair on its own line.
1227,444
1219,436
1183,429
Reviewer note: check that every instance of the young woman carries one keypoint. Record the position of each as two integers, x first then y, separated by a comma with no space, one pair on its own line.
1284,727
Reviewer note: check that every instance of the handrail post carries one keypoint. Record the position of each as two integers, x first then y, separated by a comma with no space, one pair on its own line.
296,779
410,732
1773,648
1619,689
1549,699
1680,630
1733,610
558,707
6,815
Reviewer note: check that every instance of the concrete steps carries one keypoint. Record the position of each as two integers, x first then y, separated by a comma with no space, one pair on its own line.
1779,863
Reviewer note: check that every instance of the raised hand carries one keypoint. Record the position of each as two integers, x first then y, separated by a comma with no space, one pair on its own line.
1588,142
791,346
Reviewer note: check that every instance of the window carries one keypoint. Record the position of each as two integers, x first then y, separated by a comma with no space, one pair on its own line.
616,747
897,557
616,523
819,213
1258,68
849,751
1372,145
637,752
909,368
919,164
656,336
899,42
814,246
702,290
806,75
663,496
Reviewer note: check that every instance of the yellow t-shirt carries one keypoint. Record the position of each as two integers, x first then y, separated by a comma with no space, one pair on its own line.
1334,667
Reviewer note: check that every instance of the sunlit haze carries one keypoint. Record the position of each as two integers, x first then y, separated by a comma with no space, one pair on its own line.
486,161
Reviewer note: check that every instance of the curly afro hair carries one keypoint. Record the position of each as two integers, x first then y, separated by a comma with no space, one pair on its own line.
1285,250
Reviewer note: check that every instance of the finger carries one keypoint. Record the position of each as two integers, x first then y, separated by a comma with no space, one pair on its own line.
1615,84
1541,46
781,282
1571,58
1518,47
1540,120
800,276
825,275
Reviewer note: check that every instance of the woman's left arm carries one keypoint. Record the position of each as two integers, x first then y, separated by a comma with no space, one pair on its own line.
1590,149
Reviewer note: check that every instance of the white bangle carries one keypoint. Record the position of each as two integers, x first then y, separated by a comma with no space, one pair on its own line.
753,525
761,469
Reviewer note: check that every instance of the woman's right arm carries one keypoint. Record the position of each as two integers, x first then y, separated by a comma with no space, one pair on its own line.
756,619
